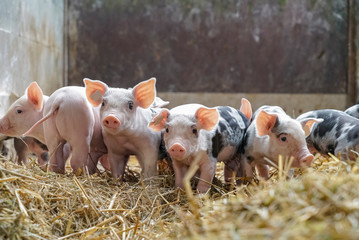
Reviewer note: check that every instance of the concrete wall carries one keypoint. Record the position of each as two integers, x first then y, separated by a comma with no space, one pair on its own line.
32,47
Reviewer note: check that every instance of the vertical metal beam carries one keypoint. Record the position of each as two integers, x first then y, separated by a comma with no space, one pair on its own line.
65,79
352,83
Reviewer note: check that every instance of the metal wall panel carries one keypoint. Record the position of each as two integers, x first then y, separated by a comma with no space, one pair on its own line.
31,49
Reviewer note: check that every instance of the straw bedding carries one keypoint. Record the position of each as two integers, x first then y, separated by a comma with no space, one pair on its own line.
321,202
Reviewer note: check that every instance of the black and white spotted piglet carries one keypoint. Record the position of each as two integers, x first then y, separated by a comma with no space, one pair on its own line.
353,111
338,133
272,133
214,134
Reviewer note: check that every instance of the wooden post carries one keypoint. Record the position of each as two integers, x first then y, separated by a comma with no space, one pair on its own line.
352,83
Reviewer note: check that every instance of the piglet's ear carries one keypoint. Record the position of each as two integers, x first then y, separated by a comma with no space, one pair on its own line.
207,118
246,108
95,91
35,96
159,121
308,123
265,122
145,93
159,103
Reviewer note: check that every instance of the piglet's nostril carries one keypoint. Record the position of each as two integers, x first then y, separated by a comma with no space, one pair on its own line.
177,151
307,161
111,122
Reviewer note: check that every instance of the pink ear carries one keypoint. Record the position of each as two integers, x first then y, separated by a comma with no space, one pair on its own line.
145,92
207,118
35,96
159,121
307,124
95,91
265,122
246,108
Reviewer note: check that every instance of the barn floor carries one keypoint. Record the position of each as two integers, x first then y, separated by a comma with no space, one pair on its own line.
321,202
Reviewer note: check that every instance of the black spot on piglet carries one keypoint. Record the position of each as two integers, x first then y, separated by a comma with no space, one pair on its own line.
352,135
217,144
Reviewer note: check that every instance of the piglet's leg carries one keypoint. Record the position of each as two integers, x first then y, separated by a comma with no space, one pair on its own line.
208,170
245,172
21,150
148,162
57,162
93,160
231,169
80,158
180,171
55,143
105,162
118,164
66,151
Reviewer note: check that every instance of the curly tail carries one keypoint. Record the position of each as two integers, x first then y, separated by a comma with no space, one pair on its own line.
50,114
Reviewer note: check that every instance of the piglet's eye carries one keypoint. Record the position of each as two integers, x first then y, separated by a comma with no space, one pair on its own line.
19,111
194,131
167,130
130,105
283,139
103,104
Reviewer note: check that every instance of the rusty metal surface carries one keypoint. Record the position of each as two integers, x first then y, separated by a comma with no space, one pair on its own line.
293,46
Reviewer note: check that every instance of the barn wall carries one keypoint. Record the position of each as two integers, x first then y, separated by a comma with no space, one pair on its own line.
355,4
293,104
280,52
31,49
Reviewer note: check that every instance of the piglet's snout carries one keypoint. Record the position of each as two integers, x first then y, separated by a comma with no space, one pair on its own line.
111,122
306,161
3,125
177,151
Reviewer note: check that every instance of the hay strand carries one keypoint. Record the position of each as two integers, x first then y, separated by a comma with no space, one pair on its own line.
90,201
194,206
21,205
17,174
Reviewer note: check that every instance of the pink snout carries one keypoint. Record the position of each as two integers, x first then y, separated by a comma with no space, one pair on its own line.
306,161
111,122
177,151
4,125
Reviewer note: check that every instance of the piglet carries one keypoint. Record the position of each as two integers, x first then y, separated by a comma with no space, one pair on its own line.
272,133
26,145
338,133
17,149
353,111
21,115
212,134
69,119
124,115
24,113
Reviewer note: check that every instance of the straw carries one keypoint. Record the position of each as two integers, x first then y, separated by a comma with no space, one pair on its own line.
319,202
